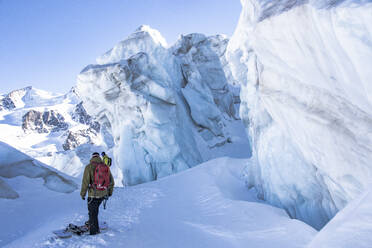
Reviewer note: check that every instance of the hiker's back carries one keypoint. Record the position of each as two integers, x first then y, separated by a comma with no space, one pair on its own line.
101,183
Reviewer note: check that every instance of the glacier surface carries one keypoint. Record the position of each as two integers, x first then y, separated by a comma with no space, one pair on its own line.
205,206
305,74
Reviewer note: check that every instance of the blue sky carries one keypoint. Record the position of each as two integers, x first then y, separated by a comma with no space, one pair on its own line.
46,43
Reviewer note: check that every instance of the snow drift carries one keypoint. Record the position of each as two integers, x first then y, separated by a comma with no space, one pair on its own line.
351,227
305,74
167,108
205,206
14,163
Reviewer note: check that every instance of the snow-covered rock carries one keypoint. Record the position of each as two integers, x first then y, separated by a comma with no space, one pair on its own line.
14,163
80,115
305,74
166,107
18,98
14,99
51,127
79,137
48,121
6,103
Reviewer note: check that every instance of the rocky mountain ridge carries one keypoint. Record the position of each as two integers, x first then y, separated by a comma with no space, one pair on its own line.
49,127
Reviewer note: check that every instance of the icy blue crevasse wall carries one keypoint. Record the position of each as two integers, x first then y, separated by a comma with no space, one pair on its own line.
306,91
166,107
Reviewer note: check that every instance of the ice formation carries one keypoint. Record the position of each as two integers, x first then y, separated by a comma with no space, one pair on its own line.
166,107
305,74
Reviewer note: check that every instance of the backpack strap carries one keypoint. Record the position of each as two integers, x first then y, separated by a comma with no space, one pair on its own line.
95,164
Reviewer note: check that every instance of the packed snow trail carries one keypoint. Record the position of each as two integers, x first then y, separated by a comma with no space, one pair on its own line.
206,206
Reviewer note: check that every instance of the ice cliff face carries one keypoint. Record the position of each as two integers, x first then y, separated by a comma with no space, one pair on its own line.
305,74
166,108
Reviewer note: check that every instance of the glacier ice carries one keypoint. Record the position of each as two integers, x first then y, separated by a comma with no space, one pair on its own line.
166,107
305,74
144,39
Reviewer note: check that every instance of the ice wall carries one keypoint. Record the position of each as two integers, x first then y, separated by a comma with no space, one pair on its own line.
166,107
306,91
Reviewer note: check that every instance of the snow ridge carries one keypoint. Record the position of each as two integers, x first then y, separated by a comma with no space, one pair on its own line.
14,163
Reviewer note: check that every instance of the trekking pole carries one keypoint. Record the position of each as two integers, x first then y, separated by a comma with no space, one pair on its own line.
105,201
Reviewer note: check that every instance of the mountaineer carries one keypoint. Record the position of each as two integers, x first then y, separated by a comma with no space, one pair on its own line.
99,183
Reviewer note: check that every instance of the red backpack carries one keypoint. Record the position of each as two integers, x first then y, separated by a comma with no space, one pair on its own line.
101,176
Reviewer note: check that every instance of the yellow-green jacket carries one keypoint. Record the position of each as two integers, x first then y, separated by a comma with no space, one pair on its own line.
88,179
105,159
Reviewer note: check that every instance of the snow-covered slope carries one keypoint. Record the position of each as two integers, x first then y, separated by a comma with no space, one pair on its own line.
30,194
351,227
14,163
168,109
206,206
53,128
305,73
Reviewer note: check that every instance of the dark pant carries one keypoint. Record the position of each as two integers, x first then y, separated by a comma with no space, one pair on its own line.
93,207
